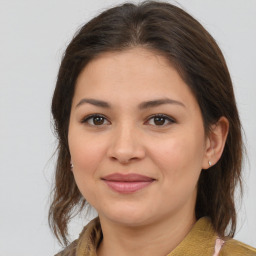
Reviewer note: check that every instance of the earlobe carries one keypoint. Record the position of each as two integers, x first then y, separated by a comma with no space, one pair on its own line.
215,142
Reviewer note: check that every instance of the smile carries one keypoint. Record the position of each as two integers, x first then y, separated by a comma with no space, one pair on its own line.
127,183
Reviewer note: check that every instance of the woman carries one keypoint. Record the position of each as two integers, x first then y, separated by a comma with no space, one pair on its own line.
149,135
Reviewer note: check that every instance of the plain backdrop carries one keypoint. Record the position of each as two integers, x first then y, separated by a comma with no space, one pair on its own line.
33,36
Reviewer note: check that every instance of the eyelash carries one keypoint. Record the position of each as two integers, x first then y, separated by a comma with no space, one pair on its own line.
165,117
86,119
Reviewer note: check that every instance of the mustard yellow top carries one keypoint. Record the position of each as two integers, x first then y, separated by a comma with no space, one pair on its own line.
200,241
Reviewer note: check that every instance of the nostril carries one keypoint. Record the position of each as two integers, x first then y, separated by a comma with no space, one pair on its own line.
125,147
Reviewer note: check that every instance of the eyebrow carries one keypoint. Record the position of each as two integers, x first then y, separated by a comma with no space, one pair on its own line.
143,105
158,102
98,103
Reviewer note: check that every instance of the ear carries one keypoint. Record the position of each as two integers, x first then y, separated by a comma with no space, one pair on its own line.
215,142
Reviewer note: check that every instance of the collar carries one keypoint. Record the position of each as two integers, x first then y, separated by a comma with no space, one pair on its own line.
199,241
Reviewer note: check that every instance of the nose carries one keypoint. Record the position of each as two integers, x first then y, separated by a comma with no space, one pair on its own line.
126,145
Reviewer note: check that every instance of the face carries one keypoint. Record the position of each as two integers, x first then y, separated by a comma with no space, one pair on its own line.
136,138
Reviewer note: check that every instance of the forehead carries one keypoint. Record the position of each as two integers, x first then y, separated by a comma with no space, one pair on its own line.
131,61
137,74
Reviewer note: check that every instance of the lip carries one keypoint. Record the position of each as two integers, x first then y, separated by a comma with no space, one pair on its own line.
127,183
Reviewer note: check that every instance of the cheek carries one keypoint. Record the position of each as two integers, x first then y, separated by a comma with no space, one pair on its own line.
179,162
86,151
87,154
180,158
85,174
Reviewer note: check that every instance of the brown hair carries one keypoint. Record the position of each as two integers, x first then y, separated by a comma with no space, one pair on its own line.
190,48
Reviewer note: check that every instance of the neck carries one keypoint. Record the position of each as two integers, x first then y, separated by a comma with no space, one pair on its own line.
158,239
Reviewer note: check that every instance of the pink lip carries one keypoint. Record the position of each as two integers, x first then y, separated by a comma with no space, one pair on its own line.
127,183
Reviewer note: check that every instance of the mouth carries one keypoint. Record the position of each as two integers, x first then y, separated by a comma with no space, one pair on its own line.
127,183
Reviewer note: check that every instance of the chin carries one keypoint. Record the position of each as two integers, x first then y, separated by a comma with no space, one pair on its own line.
129,218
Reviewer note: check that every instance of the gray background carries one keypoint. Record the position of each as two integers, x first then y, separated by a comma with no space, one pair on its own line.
33,36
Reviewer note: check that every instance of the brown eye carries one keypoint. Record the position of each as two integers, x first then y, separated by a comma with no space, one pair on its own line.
96,120
160,120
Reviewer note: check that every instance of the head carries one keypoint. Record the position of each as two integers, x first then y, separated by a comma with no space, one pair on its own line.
175,36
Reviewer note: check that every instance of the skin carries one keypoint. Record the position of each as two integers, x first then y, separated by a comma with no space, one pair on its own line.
128,139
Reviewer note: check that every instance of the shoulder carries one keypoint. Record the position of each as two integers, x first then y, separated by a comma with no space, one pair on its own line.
87,242
237,248
69,250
